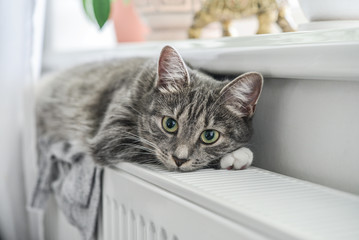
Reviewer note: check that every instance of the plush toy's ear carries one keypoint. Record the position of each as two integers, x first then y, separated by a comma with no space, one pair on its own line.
172,71
241,95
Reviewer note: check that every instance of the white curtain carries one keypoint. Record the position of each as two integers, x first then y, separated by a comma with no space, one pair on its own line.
20,48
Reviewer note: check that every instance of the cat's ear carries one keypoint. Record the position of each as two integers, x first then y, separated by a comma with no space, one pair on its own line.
172,71
241,95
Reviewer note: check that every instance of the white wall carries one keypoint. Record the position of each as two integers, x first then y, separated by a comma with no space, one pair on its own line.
17,69
69,29
14,32
308,129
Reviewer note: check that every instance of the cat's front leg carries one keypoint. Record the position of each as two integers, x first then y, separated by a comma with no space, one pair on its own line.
239,159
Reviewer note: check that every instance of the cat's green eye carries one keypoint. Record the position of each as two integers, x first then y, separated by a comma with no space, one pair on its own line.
169,124
209,136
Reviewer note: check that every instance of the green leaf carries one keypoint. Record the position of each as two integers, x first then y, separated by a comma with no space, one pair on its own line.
88,7
101,9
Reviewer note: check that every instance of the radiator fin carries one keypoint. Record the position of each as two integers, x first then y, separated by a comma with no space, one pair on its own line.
163,234
123,225
115,220
153,235
107,208
142,230
133,226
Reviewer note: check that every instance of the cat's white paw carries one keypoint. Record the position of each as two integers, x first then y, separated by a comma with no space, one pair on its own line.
239,159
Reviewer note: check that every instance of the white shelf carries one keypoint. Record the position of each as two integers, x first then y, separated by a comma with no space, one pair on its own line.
304,55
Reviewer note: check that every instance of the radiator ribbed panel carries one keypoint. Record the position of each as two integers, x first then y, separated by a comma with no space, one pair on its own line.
121,223
269,203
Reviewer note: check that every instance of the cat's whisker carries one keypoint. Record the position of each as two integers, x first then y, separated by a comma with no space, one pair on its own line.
147,142
140,138
138,147
156,150
140,114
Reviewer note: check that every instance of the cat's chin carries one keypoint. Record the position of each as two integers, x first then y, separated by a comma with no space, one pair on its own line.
167,164
171,166
180,169
187,169
174,168
183,168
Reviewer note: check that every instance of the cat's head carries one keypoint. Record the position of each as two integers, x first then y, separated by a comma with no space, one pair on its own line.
191,119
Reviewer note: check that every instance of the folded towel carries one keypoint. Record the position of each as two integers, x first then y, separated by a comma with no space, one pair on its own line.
66,171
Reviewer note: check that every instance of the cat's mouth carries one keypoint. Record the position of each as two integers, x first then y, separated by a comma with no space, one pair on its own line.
170,163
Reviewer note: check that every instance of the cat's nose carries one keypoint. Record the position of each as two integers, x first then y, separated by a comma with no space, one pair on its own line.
179,161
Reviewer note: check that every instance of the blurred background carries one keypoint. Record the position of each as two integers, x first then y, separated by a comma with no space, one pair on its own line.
34,31
67,28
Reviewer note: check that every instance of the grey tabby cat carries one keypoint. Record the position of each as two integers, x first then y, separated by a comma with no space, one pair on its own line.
142,110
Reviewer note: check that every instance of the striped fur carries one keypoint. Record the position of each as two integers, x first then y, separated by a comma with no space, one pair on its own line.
115,110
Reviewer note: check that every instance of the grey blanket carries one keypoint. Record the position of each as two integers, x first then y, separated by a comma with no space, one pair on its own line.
75,181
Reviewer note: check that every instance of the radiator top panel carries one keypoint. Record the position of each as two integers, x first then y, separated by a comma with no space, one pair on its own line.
266,202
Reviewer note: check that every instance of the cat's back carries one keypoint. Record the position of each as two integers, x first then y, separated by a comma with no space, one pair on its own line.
89,78
77,96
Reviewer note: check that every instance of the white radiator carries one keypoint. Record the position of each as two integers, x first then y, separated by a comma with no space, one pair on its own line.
146,202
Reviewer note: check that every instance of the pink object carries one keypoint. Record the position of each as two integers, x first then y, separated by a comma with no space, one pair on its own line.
129,27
